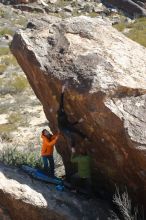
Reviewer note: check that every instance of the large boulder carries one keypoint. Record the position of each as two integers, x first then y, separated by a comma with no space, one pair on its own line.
132,7
22,1
106,73
27,199
31,1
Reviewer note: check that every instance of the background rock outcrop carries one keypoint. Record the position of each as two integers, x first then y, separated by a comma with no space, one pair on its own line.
132,7
106,75
21,1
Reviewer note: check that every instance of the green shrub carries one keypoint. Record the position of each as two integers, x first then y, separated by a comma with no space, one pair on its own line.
4,51
137,30
120,27
6,30
15,157
125,207
92,14
4,108
1,82
14,85
138,35
2,68
7,128
9,60
6,136
2,13
19,84
62,3
20,21
15,118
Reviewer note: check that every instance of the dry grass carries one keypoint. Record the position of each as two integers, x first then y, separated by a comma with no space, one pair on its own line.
137,30
7,128
19,84
5,30
16,157
22,21
125,207
14,85
2,68
9,60
4,51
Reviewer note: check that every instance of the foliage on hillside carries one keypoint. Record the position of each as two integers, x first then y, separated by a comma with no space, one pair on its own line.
135,31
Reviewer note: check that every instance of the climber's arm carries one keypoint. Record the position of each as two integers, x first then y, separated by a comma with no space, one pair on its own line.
54,139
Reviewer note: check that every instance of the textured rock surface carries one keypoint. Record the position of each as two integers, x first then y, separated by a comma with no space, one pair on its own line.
4,214
132,7
29,8
106,73
21,1
25,198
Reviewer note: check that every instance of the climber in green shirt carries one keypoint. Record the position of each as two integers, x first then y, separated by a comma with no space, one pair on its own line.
81,179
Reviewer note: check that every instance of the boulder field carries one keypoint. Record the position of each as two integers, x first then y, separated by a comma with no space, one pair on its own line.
106,73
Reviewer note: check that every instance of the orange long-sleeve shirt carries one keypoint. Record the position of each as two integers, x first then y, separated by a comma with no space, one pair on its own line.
48,145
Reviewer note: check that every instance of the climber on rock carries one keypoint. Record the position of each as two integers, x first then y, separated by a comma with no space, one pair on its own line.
81,179
48,142
64,124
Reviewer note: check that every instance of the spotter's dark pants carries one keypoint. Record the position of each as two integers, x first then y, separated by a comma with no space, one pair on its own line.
81,183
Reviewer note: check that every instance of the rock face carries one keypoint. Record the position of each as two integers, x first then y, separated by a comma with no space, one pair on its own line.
106,73
25,198
132,7
19,1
